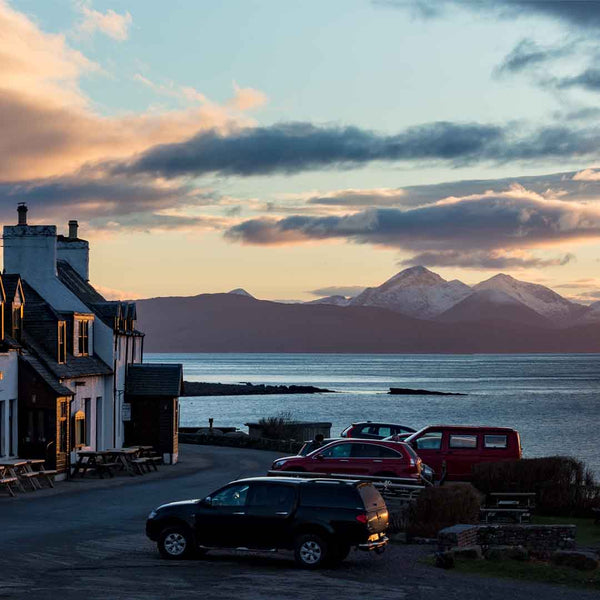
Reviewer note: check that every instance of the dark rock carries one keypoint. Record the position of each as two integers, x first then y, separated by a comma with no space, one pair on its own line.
202,388
584,561
409,392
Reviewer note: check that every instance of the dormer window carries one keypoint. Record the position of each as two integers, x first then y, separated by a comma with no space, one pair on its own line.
83,338
17,318
62,342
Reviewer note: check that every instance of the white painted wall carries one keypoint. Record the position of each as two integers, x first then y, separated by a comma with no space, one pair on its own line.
9,389
77,254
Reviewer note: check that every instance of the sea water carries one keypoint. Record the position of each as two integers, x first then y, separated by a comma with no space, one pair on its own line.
553,400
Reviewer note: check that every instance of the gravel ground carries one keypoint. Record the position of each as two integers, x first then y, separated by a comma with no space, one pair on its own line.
87,540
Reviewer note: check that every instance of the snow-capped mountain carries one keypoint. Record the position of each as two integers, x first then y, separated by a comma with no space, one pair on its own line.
416,292
241,292
539,298
335,300
493,305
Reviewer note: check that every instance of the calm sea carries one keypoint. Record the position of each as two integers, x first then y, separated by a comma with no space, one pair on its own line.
552,400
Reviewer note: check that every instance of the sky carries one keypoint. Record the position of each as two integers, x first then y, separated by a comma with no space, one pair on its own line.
302,148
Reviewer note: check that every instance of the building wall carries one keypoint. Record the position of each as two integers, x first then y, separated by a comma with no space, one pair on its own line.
9,393
76,253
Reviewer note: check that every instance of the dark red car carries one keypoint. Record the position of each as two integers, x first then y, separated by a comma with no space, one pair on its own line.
460,447
357,457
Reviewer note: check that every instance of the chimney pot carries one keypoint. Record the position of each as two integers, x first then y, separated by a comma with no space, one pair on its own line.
22,210
73,226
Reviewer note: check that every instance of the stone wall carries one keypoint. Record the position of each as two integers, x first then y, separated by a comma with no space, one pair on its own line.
288,448
540,540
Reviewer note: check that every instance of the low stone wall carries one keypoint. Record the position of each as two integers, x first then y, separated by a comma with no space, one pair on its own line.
241,441
539,540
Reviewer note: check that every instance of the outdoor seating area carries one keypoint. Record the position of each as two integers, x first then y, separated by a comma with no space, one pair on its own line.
21,475
134,460
503,507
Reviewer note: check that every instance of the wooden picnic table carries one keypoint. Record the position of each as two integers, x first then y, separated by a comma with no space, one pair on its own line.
94,459
17,468
516,506
125,457
38,466
8,481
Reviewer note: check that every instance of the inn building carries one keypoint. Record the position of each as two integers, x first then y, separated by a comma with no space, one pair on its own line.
74,350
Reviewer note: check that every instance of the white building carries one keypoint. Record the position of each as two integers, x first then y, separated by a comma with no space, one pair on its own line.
77,344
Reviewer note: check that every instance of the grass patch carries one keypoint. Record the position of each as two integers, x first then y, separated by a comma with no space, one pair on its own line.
531,571
587,534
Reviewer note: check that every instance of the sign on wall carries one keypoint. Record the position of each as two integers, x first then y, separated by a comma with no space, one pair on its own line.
126,411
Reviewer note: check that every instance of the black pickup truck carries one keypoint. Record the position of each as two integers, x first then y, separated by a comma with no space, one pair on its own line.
321,520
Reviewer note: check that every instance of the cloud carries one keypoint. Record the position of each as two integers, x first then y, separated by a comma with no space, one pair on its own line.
497,227
588,80
247,98
482,259
338,290
587,175
115,294
528,53
110,23
583,14
49,126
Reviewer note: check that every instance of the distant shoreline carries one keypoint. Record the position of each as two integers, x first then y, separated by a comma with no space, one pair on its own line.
201,388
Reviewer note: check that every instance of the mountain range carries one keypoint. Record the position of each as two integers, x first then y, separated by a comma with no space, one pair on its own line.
416,311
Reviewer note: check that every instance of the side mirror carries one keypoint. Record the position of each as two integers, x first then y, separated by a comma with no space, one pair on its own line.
207,501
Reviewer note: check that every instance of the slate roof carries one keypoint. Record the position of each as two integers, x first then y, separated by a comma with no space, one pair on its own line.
40,328
10,283
77,284
51,381
106,310
150,379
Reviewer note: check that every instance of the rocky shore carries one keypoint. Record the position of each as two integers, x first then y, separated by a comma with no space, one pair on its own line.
201,388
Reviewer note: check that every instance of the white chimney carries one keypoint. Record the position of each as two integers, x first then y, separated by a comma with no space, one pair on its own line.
30,250
75,251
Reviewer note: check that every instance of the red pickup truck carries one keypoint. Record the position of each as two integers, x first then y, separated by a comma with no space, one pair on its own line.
462,446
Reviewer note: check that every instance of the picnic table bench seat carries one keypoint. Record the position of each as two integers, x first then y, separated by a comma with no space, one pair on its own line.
8,482
30,477
48,475
139,464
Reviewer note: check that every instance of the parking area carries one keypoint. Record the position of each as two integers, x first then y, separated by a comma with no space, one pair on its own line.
64,543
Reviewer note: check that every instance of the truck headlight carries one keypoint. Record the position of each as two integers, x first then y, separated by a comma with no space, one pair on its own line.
279,463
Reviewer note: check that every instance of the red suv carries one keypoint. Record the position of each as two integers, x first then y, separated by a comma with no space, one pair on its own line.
357,457
462,446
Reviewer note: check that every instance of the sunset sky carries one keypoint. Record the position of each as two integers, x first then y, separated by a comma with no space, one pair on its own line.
304,147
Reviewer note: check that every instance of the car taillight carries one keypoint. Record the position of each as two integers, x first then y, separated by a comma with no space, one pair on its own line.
362,519
346,433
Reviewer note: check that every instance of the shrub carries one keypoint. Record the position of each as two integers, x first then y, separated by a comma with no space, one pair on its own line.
439,507
562,484
278,427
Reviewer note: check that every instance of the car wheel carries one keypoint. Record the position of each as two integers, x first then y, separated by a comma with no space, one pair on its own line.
311,551
176,543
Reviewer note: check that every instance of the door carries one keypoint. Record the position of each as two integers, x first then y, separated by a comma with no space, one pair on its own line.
333,459
270,512
222,520
371,459
463,451
429,446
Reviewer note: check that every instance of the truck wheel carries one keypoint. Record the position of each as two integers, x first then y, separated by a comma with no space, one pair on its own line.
176,543
311,551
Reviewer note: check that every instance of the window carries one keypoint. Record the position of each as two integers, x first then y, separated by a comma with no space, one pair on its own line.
431,440
62,342
337,451
331,495
495,441
87,403
63,431
79,421
372,451
463,440
234,495
83,338
384,431
278,497
17,315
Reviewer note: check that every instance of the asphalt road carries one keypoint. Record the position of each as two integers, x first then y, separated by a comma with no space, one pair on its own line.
87,541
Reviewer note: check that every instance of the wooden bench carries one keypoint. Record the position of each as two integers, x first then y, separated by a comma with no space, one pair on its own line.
139,464
48,475
31,477
106,467
154,461
8,482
